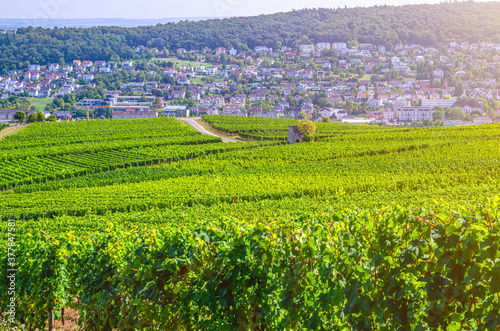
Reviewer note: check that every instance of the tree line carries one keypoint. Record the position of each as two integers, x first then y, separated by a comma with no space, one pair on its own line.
422,24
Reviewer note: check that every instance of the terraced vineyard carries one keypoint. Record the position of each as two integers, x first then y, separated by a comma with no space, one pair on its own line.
372,228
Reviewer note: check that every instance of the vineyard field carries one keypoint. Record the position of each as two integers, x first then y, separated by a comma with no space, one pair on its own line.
275,129
149,225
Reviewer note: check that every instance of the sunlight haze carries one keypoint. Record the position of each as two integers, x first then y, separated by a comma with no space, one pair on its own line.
53,9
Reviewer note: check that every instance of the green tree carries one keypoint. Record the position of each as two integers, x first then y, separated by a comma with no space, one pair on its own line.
427,122
20,116
33,117
325,119
456,113
58,103
437,115
309,129
40,117
459,89
52,118
302,115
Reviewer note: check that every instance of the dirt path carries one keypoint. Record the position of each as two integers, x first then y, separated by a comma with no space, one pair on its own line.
10,130
193,123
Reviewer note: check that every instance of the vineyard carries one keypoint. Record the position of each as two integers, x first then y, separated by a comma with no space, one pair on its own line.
276,129
44,152
149,225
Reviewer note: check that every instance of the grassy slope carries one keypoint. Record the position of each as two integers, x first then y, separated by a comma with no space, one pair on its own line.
40,103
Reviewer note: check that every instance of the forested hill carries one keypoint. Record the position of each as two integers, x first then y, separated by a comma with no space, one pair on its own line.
423,24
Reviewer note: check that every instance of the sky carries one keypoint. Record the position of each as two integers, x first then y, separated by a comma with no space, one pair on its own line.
150,9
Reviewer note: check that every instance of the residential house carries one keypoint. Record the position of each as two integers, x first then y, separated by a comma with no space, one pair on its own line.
44,92
257,96
182,79
374,103
266,114
34,92
323,46
170,72
212,100
34,67
176,111
230,111
365,46
176,94
468,106
54,66
263,49
339,113
63,116
438,73
87,78
128,66
292,112
377,115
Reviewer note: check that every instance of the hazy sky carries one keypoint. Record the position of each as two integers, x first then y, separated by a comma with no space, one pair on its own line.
43,9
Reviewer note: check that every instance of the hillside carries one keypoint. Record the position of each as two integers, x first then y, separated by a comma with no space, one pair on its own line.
149,225
424,24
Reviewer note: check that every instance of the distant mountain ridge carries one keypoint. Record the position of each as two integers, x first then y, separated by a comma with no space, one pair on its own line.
411,24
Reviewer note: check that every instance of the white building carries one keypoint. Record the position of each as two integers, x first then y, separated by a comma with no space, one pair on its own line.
87,78
340,45
357,120
322,46
410,114
482,120
438,73
34,67
390,115
374,103
306,48
134,114
438,102
263,49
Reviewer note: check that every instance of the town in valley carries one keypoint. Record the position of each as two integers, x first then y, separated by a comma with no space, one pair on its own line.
449,84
